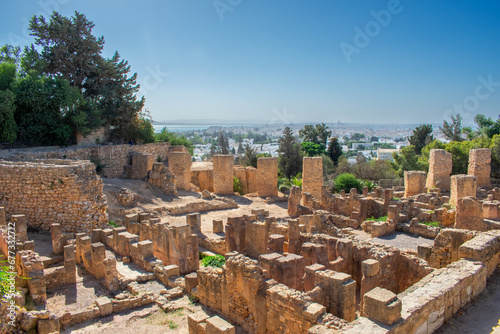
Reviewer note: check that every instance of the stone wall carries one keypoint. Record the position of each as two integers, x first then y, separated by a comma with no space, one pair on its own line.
480,166
180,165
54,191
312,176
113,157
414,183
462,186
223,174
440,166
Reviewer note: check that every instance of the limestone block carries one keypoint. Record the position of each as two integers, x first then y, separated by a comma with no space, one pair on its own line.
310,273
105,306
194,221
414,183
217,325
312,176
141,164
223,174
469,215
171,270
217,226
267,177
191,282
56,234
50,325
462,186
180,165
21,226
370,267
251,175
294,200
440,166
194,320
275,243
382,305
480,166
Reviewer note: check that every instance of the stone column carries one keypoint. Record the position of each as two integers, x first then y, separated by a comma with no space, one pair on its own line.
223,174
312,176
180,165
414,183
294,200
56,233
21,227
440,165
480,166
194,221
251,174
70,263
267,177
462,186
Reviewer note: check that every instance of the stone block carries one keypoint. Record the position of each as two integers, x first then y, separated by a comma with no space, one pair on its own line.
217,226
440,166
2,216
191,282
312,176
171,270
370,267
105,306
223,174
462,186
195,319
50,325
382,305
480,166
267,177
180,165
217,325
194,221
414,183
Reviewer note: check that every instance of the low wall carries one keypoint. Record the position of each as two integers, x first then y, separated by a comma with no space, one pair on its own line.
113,157
54,191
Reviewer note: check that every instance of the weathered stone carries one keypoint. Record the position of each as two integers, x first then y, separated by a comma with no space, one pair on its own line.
382,305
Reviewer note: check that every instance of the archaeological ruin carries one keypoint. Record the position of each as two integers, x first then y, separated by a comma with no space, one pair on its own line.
386,260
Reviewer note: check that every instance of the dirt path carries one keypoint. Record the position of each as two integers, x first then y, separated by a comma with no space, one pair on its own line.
481,316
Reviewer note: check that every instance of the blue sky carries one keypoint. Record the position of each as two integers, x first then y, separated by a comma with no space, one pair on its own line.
297,61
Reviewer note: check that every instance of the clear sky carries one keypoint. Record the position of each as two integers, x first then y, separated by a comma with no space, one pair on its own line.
275,61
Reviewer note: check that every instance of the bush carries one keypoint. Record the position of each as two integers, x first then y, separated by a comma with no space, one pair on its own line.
213,261
237,188
347,181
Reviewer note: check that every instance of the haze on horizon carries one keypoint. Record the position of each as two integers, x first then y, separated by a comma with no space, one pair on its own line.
296,61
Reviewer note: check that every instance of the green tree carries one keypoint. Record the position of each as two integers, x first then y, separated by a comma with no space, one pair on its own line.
313,149
250,157
422,135
290,158
318,134
486,126
453,131
222,143
346,182
7,100
406,160
334,150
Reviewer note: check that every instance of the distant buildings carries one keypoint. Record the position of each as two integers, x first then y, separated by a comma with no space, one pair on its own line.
386,154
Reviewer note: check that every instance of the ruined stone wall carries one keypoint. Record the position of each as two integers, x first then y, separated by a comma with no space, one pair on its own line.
414,183
113,157
54,191
440,166
312,176
180,165
203,178
462,186
223,174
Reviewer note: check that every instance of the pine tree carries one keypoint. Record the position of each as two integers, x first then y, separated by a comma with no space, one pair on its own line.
422,136
334,150
453,131
290,158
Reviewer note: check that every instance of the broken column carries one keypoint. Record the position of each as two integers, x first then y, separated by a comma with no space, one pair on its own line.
194,221
57,241
480,166
462,186
267,177
21,227
180,165
414,183
440,165
70,263
312,176
223,174
294,200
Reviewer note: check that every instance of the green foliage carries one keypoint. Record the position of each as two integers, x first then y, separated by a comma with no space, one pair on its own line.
174,139
453,131
5,279
422,135
372,170
334,150
317,134
285,184
369,184
406,160
113,223
486,126
379,219
250,157
495,155
433,224
213,261
99,166
290,157
347,181
237,187
313,149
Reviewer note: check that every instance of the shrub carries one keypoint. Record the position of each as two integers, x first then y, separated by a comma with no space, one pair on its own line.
379,219
434,224
347,181
213,261
237,185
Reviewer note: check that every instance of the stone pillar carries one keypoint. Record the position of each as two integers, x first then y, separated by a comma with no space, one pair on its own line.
21,226
480,166
194,221
340,293
251,179
70,263
2,216
370,269
382,305
414,183
440,165
217,226
267,177
310,273
223,174
275,243
294,200
293,236
56,233
236,235
180,165
312,176
98,255
462,186
289,271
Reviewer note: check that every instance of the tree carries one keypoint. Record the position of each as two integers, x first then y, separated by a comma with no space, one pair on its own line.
313,149
8,127
334,150
346,182
406,160
422,135
315,134
222,144
290,159
241,150
486,126
453,131
250,157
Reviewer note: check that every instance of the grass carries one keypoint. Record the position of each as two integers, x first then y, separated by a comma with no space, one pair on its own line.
383,218
112,223
213,261
433,224
395,198
172,325
162,318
